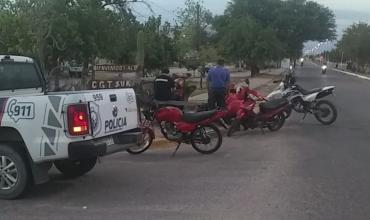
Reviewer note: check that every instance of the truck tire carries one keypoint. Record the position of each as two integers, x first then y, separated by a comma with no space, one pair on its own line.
75,168
14,175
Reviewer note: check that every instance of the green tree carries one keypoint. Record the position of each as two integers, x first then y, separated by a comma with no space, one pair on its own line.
68,29
194,32
244,39
355,44
262,30
169,45
159,44
300,21
153,45
335,55
140,55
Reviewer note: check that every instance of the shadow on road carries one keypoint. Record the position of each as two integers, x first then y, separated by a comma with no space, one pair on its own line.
57,184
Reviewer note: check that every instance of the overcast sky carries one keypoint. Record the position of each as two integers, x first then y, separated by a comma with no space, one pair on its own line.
218,6
357,5
347,11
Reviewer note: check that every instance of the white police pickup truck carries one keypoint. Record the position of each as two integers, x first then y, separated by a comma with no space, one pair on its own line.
67,129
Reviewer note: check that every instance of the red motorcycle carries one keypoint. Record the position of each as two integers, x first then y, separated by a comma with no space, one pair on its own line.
242,105
196,129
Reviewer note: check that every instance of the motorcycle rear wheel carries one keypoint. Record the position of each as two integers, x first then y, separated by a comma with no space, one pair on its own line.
320,113
203,136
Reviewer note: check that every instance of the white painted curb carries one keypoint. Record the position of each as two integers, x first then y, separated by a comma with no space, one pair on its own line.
348,73
352,74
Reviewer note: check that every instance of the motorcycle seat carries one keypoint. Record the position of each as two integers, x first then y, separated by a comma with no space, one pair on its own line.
308,92
274,104
197,116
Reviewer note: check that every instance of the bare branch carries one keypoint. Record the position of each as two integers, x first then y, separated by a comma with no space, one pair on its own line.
2,42
124,3
109,3
148,6
56,44
49,34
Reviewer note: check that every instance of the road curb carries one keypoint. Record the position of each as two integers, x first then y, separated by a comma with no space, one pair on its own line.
159,143
352,74
347,73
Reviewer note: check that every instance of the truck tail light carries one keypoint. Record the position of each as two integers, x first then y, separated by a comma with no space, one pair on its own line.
78,119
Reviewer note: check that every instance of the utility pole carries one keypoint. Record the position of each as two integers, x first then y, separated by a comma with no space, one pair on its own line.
140,55
197,27
197,39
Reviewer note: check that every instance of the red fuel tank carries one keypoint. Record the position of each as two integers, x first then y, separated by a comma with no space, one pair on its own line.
170,114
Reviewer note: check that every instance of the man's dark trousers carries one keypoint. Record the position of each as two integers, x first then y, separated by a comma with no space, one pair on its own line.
217,98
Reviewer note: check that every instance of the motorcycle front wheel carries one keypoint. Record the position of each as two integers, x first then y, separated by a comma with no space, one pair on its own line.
145,142
276,123
297,106
325,112
206,139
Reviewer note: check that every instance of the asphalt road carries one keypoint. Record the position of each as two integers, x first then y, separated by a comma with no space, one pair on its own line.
304,171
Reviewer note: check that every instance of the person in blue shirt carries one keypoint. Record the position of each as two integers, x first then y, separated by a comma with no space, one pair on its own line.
218,80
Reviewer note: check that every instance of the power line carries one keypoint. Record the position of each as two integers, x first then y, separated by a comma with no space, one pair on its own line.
140,14
147,5
160,7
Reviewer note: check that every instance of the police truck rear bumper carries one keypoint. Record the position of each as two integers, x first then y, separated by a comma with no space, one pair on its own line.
99,147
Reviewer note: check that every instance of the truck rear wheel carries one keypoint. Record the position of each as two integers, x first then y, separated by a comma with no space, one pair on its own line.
75,168
14,176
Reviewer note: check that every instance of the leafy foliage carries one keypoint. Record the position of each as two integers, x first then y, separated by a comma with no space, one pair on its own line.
355,43
194,33
263,30
68,29
159,44
254,31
